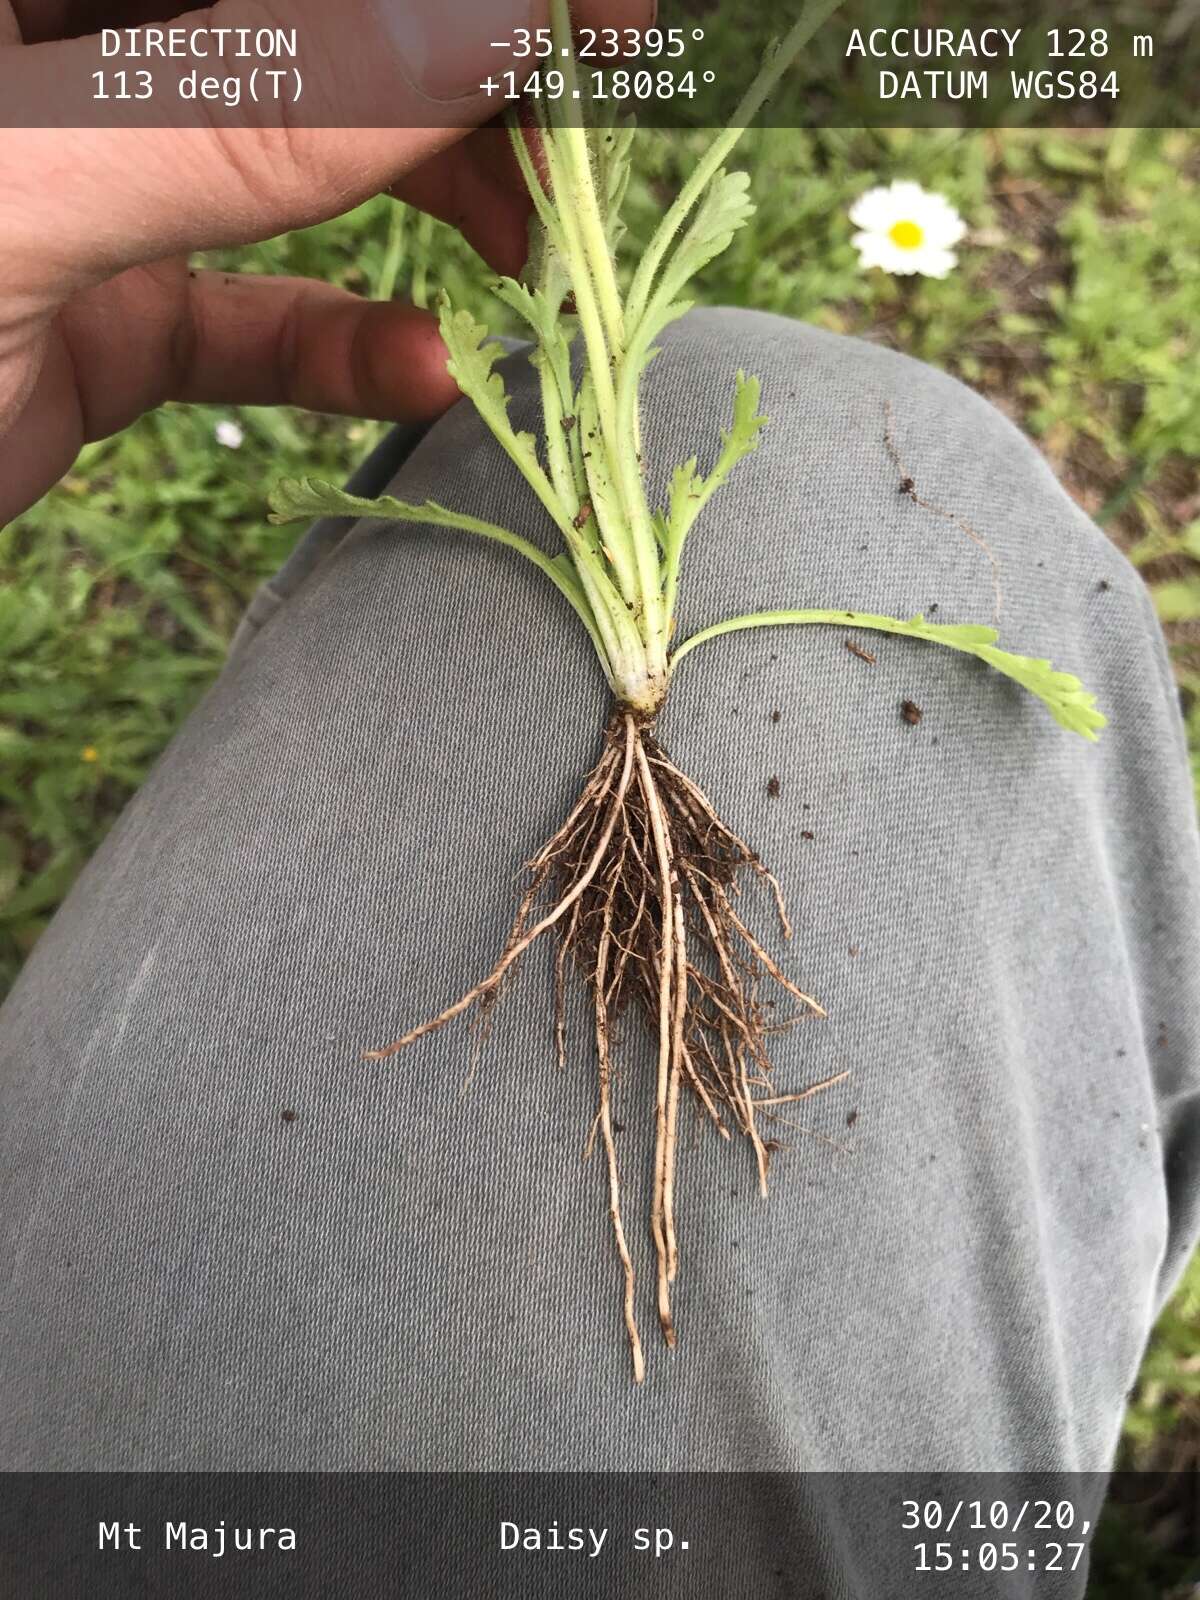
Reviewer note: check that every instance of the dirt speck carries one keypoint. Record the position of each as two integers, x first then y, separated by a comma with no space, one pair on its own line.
618,1127
852,1117
863,655
773,787
854,949
805,834
1161,1041
1104,586
289,1116
774,716
911,712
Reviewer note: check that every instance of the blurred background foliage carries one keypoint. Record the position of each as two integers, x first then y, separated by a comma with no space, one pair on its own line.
1075,308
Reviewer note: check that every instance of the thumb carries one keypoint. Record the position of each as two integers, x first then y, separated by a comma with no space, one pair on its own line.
155,169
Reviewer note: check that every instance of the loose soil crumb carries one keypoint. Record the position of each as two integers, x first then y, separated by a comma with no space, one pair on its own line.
911,712
773,787
288,1116
852,1117
806,835
774,716
854,949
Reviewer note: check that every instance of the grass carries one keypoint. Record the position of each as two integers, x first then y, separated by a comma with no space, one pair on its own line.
1075,309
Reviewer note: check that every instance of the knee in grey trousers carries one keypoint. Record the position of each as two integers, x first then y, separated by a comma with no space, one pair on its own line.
966,1240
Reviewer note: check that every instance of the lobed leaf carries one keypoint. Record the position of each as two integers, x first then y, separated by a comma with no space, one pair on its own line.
473,357
690,492
1068,702
296,499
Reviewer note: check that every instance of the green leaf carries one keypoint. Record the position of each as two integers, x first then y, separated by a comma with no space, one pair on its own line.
473,356
613,149
607,514
725,208
778,59
541,308
532,306
295,499
690,493
1177,600
43,891
1068,702
25,615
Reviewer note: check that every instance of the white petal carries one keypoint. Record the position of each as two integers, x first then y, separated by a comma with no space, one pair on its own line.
908,197
230,434
874,209
936,263
940,222
872,247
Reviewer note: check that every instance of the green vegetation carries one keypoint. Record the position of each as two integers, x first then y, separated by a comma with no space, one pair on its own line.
1075,308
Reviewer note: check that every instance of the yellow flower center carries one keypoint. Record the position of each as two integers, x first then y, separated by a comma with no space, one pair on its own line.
907,235
90,753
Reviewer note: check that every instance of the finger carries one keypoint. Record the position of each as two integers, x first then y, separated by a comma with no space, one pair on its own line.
42,20
67,19
158,334
290,341
86,204
477,187
228,339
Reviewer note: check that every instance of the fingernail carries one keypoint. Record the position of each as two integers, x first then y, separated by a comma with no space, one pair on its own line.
451,47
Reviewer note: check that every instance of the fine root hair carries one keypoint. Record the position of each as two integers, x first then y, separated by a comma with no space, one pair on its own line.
642,884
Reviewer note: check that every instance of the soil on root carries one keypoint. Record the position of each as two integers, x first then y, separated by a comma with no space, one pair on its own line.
640,884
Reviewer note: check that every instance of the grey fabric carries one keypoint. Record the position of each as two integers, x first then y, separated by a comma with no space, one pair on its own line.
1001,920
371,478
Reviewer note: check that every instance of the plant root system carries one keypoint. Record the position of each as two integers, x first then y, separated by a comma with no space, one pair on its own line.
641,883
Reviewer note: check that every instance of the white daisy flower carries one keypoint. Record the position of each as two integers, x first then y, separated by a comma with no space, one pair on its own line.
231,434
906,229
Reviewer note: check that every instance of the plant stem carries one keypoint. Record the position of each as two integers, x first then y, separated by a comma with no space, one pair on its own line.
752,103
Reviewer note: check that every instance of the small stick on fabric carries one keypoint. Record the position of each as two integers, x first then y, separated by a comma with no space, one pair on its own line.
863,655
908,487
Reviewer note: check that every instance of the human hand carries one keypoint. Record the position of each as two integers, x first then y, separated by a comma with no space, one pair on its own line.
101,318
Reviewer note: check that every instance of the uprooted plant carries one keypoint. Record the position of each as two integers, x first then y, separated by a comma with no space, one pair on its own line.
641,880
